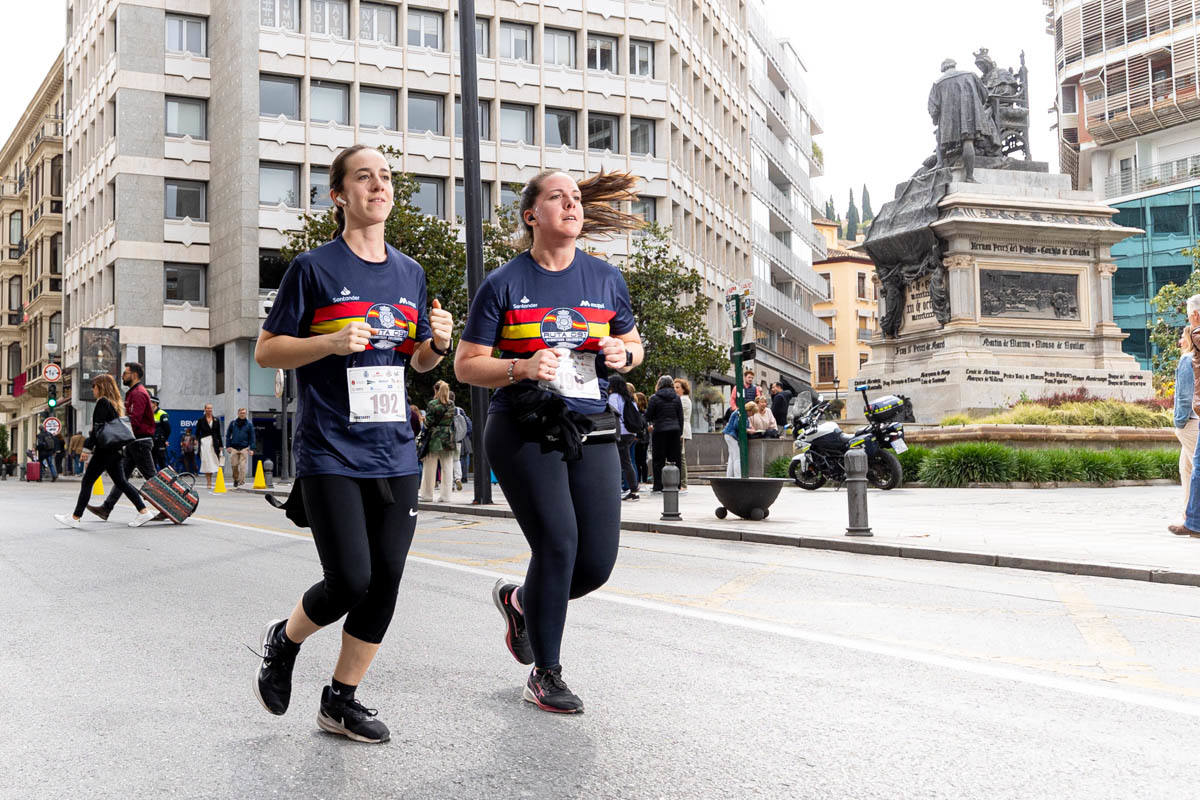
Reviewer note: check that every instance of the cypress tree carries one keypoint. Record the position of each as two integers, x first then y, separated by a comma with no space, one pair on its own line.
851,220
867,213
830,214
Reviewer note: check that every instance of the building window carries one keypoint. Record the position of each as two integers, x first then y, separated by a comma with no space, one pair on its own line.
603,133
641,136
15,230
318,187
558,47
279,14
825,277
425,29
377,23
14,293
425,113
485,119
377,108
56,175
14,363
602,53
183,283
863,358
560,128
219,369
278,95
644,207
187,116
641,58
330,17
187,35
271,268
1069,104
825,372
516,41
329,102
482,45
485,199
56,254
186,199
509,196
862,286
516,123
428,198
279,184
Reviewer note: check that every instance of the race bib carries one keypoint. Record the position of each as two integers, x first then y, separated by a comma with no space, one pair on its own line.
575,376
376,394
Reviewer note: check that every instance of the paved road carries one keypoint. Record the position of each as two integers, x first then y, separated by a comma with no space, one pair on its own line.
709,669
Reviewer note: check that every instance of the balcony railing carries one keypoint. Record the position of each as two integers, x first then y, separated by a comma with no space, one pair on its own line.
865,335
792,310
778,153
782,255
1145,179
776,52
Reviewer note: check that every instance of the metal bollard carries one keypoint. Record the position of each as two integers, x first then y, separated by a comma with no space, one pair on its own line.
856,492
269,472
670,493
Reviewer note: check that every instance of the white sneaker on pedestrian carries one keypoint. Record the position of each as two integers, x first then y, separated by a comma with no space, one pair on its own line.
66,520
141,519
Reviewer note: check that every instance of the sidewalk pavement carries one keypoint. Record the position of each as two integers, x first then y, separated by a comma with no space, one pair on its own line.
1118,532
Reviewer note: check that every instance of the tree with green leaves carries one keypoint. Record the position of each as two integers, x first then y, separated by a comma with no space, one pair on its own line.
674,333
851,220
867,213
830,213
1171,306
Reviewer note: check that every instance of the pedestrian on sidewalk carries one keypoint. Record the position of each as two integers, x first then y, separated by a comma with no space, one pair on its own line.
1186,419
75,453
138,454
162,433
239,441
439,419
664,415
60,451
208,444
356,465
1191,522
102,456
641,448
187,451
684,389
781,398
619,400
462,442
563,322
45,453
733,464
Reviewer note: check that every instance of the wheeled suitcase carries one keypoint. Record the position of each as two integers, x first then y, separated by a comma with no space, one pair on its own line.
172,494
33,471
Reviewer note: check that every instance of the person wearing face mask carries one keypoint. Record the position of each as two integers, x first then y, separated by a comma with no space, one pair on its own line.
562,320
351,317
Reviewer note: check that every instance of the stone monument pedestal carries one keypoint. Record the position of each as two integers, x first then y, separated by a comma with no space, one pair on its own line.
1027,266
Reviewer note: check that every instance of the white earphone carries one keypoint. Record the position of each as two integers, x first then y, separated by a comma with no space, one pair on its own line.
340,201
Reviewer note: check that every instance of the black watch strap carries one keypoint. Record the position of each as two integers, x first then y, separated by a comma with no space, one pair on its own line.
629,358
433,346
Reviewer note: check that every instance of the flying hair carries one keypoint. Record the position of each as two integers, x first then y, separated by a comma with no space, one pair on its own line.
601,196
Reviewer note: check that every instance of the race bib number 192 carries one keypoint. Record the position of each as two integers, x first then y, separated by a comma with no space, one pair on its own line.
376,394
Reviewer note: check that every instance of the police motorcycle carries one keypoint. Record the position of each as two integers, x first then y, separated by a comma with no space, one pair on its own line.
819,447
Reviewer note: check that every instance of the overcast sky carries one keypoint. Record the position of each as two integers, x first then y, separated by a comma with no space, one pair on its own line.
870,62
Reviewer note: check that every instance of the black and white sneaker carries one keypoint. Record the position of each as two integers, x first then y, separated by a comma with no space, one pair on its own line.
546,690
351,719
630,496
273,680
516,637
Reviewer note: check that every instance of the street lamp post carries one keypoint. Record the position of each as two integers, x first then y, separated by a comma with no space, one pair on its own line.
473,219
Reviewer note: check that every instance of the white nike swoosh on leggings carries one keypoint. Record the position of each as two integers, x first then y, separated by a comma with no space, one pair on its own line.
412,512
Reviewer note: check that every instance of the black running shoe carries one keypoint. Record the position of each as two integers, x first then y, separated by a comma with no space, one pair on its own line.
546,690
273,681
350,719
99,511
516,637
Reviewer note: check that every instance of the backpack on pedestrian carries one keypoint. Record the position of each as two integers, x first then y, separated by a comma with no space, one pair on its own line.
633,420
460,426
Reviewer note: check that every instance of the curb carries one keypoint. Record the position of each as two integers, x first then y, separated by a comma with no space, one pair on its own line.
858,545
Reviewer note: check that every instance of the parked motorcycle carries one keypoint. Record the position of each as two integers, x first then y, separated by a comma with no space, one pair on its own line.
820,447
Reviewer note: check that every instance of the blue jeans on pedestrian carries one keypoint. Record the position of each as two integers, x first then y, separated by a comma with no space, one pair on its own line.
1192,515
48,465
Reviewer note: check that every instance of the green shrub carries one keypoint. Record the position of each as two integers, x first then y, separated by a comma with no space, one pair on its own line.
956,419
1100,466
1028,414
1063,465
1137,465
779,467
969,462
1166,463
1092,412
910,460
1031,466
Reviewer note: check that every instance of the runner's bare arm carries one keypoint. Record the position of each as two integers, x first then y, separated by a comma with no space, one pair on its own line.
441,323
614,348
276,351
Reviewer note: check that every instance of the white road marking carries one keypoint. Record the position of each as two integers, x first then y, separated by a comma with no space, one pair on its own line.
1097,690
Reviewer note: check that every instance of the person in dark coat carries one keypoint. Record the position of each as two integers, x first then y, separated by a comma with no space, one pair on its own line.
45,453
781,398
664,415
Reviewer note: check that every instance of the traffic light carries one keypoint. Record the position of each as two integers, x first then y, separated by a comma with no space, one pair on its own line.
749,351
52,396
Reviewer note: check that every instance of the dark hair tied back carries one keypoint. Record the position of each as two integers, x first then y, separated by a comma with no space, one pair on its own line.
337,180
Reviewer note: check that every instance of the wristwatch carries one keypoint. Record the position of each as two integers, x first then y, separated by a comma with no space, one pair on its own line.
433,346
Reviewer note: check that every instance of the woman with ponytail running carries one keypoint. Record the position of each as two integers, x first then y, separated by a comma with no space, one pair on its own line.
350,317
562,320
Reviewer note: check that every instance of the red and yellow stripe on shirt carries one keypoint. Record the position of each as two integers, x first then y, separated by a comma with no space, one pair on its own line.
331,318
522,328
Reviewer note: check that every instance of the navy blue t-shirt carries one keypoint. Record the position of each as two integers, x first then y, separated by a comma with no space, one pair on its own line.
322,291
522,308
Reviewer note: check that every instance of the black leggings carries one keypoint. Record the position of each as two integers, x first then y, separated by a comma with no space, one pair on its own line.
623,448
106,461
363,545
570,514
666,447
136,454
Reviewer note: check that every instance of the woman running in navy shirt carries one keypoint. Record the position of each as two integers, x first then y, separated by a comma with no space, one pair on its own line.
561,320
351,316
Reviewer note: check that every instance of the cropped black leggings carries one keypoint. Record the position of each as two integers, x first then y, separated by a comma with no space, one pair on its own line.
363,543
570,514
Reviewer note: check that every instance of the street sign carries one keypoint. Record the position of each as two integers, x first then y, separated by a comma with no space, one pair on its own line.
743,290
52,426
52,372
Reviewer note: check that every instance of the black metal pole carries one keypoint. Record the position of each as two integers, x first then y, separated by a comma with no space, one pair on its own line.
473,219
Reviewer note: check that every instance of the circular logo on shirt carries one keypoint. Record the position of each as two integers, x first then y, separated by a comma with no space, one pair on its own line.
564,327
390,327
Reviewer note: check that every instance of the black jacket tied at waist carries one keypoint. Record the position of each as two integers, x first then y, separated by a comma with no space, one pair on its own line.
543,417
